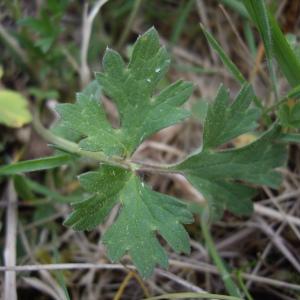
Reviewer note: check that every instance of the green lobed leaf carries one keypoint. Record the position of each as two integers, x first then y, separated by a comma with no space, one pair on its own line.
133,89
218,175
225,121
142,112
143,213
104,186
93,131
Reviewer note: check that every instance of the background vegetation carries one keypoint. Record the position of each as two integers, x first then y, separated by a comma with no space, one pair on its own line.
49,51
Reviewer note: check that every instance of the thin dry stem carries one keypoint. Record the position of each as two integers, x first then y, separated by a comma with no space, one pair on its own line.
10,288
87,24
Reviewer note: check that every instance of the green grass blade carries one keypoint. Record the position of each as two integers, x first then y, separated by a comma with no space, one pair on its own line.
194,296
186,68
184,9
232,68
53,195
294,93
250,38
230,285
243,286
286,58
237,6
259,14
283,53
59,274
132,16
35,164
290,138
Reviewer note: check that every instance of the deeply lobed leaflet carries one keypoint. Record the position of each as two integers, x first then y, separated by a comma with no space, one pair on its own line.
222,176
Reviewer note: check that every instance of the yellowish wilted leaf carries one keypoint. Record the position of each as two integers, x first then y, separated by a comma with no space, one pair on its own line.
14,110
244,140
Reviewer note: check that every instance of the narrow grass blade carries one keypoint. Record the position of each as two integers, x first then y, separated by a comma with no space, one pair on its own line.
294,93
192,69
250,38
286,58
35,164
243,286
237,6
232,68
126,31
290,137
230,285
53,195
184,9
259,14
194,296
22,188
59,274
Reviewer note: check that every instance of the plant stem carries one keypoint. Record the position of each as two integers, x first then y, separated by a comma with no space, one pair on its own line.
153,167
73,148
243,286
231,287
88,19
117,161
13,44
9,285
293,94
125,33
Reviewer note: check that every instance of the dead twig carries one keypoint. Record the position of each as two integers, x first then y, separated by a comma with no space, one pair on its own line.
87,23
10,288
201,267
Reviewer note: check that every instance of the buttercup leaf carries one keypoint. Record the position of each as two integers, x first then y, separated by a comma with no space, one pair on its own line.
93,132
222,176
143,213
133,89
143,111
104,186
218,174
225,121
